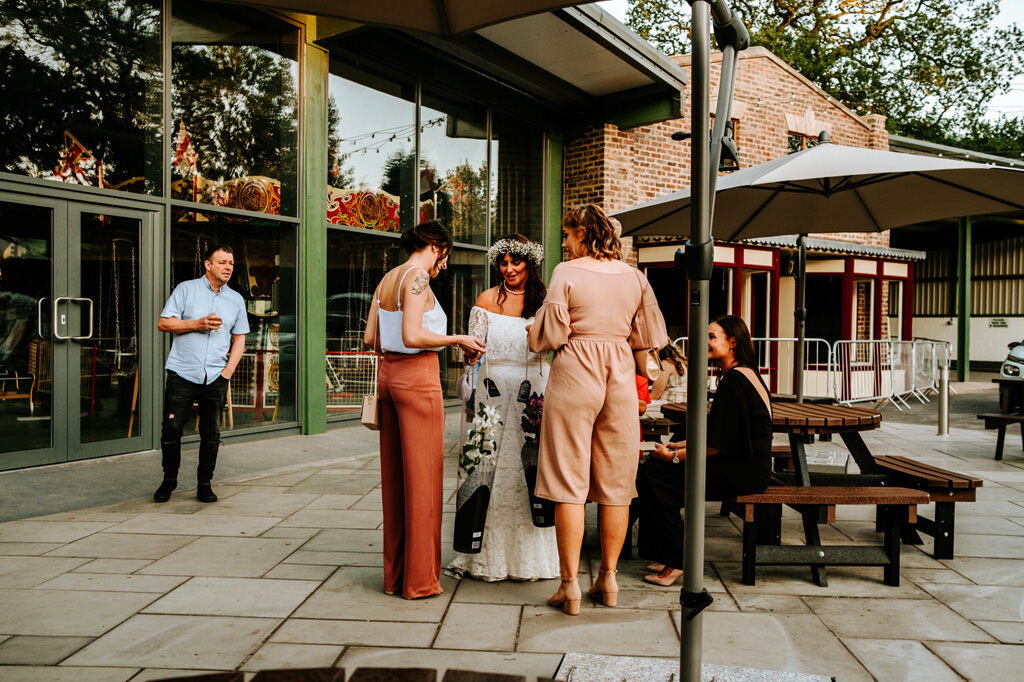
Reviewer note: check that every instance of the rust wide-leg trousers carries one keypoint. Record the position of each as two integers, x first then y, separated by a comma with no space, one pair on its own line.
411,460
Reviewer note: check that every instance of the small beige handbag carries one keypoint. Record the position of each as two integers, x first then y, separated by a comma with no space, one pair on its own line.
648,364
370,415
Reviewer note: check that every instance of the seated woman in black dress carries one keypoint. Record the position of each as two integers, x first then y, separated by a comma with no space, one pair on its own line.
739,444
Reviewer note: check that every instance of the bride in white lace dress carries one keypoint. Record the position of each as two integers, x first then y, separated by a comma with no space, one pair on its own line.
512,548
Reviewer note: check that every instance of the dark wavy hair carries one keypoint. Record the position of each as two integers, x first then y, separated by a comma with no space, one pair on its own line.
429,233
535,289
672,354
599,239
736,329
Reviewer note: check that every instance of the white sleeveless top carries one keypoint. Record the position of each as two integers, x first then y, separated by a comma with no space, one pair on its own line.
389,324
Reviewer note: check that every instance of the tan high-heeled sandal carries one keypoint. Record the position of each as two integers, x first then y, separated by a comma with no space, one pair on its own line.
599,588
665,577
563,598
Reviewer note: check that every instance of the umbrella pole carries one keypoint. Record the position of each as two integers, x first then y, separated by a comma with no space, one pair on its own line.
800,314
699,272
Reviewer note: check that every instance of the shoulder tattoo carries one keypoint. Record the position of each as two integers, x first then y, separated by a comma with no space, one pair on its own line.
419,285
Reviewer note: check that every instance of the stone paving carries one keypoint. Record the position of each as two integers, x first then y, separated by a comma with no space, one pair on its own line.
284,571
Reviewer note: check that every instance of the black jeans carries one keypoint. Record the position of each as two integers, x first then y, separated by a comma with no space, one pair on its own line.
179,395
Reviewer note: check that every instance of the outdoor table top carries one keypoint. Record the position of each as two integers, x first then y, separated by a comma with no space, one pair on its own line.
805,417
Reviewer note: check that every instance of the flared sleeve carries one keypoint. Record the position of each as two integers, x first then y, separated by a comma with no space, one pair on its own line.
648,328
552,325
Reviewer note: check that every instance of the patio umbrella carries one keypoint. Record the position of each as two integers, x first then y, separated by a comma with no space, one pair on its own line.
446,18
836,189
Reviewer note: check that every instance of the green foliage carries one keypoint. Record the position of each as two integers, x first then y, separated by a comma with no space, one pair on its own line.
931,66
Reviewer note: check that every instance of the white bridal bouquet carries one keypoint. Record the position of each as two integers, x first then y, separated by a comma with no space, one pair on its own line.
479,445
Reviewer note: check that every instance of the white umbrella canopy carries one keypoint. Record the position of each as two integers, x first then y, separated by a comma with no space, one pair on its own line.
447,18
831,188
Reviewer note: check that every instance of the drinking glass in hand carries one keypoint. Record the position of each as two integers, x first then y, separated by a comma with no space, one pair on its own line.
214,317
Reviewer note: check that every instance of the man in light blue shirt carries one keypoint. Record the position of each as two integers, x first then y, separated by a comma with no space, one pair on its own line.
209,323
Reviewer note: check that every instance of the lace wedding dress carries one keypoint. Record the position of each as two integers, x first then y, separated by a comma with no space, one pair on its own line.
512,548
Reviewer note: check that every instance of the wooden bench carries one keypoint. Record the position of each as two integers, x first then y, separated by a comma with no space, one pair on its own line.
945,488
1000,421
817,504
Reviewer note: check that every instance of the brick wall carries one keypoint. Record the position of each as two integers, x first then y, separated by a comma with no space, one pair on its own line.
618,168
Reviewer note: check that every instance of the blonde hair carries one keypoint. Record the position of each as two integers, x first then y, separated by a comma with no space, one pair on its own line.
599,239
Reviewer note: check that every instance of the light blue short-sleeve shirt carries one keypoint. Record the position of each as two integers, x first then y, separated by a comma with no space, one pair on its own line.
200,356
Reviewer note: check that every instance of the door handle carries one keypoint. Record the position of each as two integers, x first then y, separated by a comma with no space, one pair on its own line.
57,323
89,301
39,316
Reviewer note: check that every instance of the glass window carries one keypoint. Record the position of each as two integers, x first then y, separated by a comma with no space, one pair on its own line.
234,101
517,179
371,151
453,167
355,264
263,386
80,92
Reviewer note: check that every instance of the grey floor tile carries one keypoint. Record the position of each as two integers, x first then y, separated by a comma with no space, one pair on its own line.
982,662
774,641
933,575
118,566
28,548
346,540
28,673
531,666
771,603
290,533
46,531
980,602
629,632
66,613
109,582
299,572
258,504
225,557
1009,572
893,619
482,627
29,571
1005,632
36,650
350,632
153,641
328,501
196,524
124,546
253,597
336,558
336,484
900,659
357,592
509,591
341,518
274,655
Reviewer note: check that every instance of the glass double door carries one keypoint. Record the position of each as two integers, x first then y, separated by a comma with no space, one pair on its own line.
76,330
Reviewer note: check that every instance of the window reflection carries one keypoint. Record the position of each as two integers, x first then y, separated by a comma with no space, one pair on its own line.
234,100
80,92
457,289
517,186
453,167
263,386
371,151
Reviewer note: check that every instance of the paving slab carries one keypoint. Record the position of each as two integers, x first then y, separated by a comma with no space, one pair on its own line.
154,674
336,558
845,581
253,597
27,673
330,501
275,655
338,484
346,540
342,518
529,665
990,571
599,668
352,632
358,592
49,531
900,659
36,650
893,619
1005,632
770,603
119,566
980,602
299,572
224,557
29,571
66,613
290,533
124,546
772,641
258,504
160,641
629,632
28,548
483,627
982,662
196,524
110,582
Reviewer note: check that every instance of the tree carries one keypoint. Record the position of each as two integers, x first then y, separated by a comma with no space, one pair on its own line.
338,174
930,66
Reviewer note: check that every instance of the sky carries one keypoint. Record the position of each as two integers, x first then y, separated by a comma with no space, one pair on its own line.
1012,11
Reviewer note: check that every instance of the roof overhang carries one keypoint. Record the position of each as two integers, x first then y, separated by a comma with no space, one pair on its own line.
577,65
837,246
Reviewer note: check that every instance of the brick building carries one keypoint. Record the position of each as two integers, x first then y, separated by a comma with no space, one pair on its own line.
776,111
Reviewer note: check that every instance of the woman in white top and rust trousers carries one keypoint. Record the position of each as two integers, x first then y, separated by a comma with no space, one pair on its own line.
407,326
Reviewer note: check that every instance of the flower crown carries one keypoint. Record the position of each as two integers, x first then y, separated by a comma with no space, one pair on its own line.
526,250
